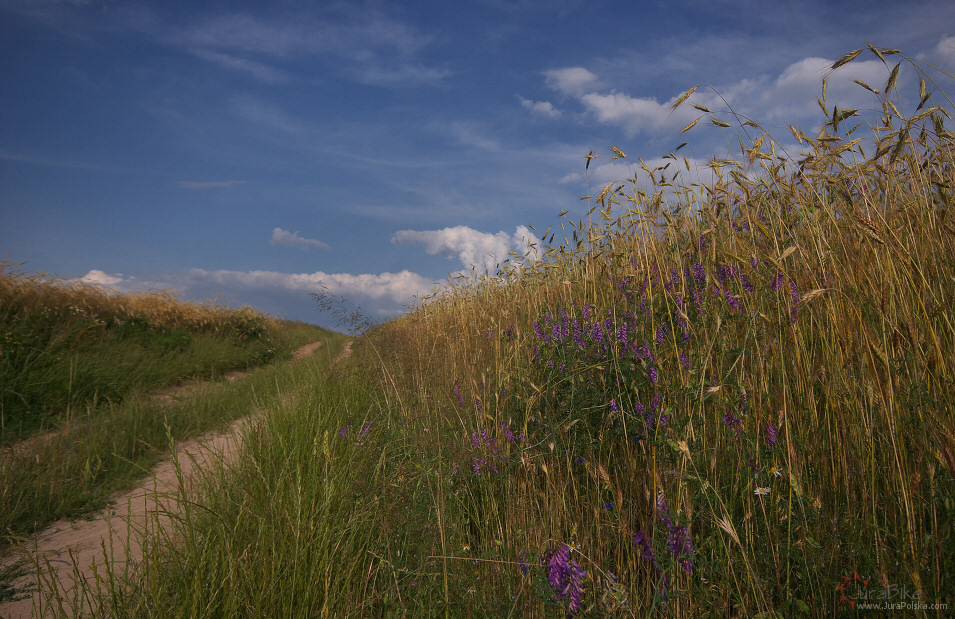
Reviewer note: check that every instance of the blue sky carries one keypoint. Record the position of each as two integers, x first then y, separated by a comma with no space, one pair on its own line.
258,150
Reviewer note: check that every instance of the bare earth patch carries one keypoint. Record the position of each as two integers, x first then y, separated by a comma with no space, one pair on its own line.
67,550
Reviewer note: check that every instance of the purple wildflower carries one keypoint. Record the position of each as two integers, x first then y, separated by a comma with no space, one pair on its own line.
457,392
364,431
733,423
661,334
614,408
566,577
508,434
524,561
678,540
772,434
699,272
343,431
778,282
654,375
685,360
733,301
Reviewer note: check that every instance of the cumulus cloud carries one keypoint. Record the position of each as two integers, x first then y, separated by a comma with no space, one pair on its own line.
115,281
481,250
789,96
571,80
633,114
541,108
292,239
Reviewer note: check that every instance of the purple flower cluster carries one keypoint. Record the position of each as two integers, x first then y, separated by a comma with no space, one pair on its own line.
678,539
567,578
733,422
490,450
642,542
772,434
778,282
678,543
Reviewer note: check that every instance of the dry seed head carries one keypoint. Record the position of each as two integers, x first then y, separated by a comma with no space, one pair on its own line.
812,294
726,525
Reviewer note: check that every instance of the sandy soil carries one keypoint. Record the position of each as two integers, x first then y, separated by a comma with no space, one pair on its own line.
111,535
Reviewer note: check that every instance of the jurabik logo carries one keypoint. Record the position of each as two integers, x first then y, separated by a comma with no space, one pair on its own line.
854,589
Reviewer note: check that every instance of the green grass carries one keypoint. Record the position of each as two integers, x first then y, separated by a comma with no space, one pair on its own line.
709,401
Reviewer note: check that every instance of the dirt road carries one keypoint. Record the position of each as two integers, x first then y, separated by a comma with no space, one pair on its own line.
112,534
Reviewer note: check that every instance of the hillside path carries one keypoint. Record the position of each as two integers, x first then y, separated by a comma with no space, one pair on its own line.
108,534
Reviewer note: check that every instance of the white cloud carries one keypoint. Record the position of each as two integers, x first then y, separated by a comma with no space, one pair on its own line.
398,287
634,115
283,294
790,96
292,239
101,278
573,177
480,250
541,108
571,81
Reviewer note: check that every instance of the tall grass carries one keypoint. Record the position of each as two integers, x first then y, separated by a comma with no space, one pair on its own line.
731,399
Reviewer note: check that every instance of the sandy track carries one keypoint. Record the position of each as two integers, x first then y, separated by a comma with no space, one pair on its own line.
116,528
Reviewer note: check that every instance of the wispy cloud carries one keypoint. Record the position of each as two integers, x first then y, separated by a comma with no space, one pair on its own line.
474,249
258,70
366,45
471,134
207,184
292,239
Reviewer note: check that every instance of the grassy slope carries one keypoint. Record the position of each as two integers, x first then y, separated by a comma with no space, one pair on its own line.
729,416
112,430
65,347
